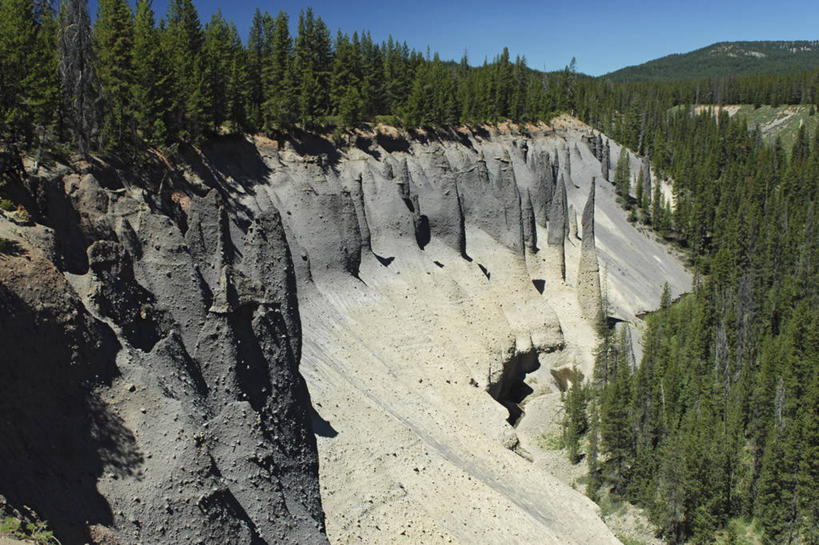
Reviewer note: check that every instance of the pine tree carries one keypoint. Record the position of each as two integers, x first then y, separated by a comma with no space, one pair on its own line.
113,43
219,50
28,86
345,81
151,78
622,174
595,478
182,44
638,192
311,67
615,428
657,207
575,420
259,48
279,108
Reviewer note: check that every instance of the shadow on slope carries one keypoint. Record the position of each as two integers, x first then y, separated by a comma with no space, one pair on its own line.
56,436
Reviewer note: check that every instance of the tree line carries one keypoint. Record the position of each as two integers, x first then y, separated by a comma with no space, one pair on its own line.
128,81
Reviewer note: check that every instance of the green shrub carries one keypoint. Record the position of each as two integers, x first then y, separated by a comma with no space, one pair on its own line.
551,441
32,531
7,205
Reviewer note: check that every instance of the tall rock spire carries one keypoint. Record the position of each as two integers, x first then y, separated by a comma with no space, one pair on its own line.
605,162
588,271
558,228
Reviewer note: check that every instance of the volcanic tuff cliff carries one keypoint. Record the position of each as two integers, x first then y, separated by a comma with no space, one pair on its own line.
424,283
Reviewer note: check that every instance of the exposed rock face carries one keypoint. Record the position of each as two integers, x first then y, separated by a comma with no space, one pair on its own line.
543,188
398,276
646,166
529,225
573,223
558,228
588,271
494,203
605,162
166,371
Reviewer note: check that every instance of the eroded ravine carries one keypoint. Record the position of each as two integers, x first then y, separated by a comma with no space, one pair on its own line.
424,287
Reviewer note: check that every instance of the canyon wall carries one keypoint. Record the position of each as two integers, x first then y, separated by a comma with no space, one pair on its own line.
422,284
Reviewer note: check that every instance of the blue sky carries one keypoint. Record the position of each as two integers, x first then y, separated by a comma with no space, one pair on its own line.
603,36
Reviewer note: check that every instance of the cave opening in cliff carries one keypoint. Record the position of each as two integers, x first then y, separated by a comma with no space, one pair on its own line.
511,389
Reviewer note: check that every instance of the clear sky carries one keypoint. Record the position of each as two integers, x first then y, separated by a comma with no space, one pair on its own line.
603,36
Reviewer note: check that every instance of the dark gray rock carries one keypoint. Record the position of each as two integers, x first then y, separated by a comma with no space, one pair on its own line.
529,225
646,166
494,205
325,225
117,295
186,420
441,201
208,237
588,221
558,215
543,188
605,162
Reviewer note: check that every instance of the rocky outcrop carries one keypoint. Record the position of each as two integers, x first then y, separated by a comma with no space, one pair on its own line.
573,223
166,371
402,276
543,188
605,162
588,271
558,228
493,203
529,225
646,168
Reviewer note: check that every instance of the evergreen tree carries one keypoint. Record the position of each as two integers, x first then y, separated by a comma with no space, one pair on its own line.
182,44
222,64
312,67
638,192
595,478
28,86
622,174
279,108
113,43
151,78
615,428
575,421
259,49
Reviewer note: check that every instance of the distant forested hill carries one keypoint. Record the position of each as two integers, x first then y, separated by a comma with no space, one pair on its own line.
726,59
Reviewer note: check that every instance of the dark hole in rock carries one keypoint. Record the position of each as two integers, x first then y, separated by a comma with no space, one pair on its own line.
612,321
386,261
540,285
408,202
485,271
422,232
511,389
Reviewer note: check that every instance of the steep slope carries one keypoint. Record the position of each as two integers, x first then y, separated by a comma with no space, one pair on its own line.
726,59
437,315
150,390
424,313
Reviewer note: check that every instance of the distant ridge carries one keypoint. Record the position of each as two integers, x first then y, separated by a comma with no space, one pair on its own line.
726,59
